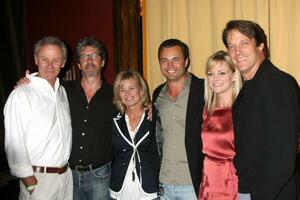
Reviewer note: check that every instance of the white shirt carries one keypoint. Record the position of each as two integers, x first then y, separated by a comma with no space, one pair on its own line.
37,127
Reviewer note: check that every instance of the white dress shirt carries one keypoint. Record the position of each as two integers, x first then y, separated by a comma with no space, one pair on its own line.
37,127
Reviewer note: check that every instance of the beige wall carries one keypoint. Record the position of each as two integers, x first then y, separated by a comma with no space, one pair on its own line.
200,23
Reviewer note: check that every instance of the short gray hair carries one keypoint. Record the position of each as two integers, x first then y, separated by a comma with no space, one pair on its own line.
51,40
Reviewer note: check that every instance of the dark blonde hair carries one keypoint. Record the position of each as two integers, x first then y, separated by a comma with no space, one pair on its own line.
212,61
126,75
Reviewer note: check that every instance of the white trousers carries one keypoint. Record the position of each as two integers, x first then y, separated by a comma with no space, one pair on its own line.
50,186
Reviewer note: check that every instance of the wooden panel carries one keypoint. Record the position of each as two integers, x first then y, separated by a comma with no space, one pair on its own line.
128,40
71,20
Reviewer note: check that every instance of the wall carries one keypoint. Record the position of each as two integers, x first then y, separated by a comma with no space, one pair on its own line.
71,20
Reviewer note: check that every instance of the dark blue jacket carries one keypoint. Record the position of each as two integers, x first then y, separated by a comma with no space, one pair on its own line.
146,155
266,126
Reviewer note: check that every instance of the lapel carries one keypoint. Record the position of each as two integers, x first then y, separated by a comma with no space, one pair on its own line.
122,128
143,129
190,107
237,110
194,105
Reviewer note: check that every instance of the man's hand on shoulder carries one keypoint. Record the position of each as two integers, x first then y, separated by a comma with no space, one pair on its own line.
149,109
24,80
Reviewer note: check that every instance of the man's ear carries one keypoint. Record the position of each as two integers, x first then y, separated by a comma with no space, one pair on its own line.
79,66
63,65
36,60
261,46
186,62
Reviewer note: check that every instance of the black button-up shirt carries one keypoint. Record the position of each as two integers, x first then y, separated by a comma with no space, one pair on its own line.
91,124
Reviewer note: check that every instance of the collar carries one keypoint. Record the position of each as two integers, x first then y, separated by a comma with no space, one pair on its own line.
185,89
34,78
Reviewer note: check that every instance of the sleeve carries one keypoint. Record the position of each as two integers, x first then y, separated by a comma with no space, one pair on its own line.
16,120
153,151
280,115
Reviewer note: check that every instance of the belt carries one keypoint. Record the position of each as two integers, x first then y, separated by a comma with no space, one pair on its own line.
86,167
58,170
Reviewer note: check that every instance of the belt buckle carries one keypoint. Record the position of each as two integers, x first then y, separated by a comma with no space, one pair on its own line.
40,169
81,167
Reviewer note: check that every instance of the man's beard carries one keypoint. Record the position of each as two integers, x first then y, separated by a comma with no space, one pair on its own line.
90,72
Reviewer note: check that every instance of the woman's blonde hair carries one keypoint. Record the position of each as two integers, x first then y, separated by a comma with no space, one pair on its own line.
125,75
212,61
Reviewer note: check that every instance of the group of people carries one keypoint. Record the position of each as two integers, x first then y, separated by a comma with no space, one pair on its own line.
230,136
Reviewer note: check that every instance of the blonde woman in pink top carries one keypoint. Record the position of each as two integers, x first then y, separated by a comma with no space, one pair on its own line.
222,84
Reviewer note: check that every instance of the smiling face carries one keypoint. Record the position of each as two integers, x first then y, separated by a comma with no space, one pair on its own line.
90,62
49,60
220,79
130,93
244,53
172,63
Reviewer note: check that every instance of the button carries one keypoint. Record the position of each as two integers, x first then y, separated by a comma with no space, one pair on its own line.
87,107
173,147
80,161
173,117
83,134
81,147
85,120
123,164
124,150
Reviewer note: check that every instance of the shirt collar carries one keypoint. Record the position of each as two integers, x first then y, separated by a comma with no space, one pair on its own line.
33,77
185,88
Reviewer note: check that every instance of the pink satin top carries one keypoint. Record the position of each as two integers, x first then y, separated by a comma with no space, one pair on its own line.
219,180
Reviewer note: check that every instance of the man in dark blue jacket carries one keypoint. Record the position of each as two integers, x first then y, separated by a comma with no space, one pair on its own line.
265,115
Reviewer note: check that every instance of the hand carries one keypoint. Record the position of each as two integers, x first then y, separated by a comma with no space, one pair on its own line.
28,181
24,80
149,108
